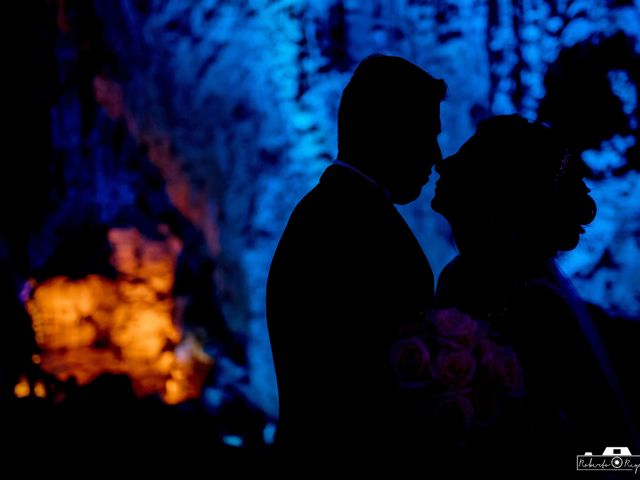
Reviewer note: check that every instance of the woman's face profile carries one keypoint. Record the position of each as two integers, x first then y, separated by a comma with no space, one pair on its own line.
457,187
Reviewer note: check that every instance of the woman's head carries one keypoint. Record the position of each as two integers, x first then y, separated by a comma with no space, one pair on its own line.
513,185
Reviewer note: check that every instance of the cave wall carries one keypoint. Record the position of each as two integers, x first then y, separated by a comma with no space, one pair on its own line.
234,104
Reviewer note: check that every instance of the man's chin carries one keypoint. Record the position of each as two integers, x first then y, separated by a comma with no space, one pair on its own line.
435,204
438,203
407,197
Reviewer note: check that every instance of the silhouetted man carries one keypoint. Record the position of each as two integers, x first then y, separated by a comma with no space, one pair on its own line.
348,270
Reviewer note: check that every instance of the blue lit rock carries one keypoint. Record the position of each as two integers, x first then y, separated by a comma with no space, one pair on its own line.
248,93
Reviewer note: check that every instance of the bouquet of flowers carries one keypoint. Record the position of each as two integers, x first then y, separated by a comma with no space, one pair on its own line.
464,376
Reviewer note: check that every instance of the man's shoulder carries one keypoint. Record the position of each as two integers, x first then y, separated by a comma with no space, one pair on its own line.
310,223
311,210
329,206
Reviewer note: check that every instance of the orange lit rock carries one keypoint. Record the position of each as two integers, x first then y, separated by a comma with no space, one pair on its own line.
39,390
22,388
97,325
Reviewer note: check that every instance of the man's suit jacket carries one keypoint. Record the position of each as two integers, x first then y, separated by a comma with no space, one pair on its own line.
346,273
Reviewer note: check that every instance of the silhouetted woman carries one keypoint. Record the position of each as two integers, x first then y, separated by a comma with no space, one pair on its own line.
514,198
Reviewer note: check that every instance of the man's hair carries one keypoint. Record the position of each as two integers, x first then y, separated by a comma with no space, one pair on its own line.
383,93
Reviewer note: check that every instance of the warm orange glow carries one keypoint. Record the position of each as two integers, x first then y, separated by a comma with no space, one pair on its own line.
35,358
39,390
189,371
22,388
96,325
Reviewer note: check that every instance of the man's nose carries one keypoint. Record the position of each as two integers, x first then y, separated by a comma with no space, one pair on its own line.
445,164
437,155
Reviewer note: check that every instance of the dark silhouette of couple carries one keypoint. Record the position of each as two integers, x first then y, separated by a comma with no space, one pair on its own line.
348,273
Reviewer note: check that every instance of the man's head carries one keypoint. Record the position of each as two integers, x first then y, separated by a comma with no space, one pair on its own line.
388,124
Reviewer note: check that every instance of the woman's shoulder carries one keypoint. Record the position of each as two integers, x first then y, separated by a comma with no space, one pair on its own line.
539,310
538,293
529,300
452,268
452,284
542,301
